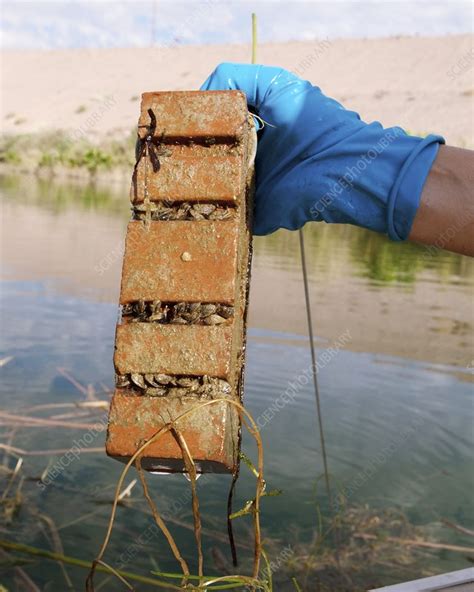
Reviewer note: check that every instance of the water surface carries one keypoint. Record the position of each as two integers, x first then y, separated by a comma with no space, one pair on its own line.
401,384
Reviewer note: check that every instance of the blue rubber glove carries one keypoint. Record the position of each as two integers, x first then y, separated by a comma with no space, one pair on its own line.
318,161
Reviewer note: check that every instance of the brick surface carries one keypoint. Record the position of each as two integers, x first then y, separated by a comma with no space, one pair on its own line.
190,178
211,432
173,349
195,115
180,261
203,142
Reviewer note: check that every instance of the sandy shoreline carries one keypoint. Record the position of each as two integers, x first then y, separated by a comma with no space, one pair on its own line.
424,84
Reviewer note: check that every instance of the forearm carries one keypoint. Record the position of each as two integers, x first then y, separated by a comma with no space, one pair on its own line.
445,217
318,161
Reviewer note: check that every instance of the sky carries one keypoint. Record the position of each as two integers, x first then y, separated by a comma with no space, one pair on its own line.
39,24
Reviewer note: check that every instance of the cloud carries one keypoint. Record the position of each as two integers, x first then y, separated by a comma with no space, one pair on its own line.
107,23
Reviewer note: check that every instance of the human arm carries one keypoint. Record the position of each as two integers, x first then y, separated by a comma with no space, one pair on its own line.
445,217
318,161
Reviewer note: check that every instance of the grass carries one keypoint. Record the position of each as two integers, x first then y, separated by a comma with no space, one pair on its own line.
362,561
10,151
56,150
47,159
92,159
36,552
10,157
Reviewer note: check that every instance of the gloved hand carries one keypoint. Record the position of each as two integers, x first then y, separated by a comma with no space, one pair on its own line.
318,161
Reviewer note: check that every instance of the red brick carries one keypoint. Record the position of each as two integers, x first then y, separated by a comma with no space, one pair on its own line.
195,115
203,141
211,432
173,349
154,267
190,178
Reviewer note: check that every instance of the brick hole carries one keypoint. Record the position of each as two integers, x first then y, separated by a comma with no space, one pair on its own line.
177,313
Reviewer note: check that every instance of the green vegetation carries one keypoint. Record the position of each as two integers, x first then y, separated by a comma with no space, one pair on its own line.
55,151
60,196
81,109
333,248
10,151
92,159
47,159
10,157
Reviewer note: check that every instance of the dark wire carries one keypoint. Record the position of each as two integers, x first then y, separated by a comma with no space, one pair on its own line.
314,369
311,344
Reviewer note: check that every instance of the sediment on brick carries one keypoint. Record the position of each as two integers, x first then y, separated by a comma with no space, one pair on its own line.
178,261
193,115
174,349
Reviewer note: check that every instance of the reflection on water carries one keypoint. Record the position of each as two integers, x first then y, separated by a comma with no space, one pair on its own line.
405,370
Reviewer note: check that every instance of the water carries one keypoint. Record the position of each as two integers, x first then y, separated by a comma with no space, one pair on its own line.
396,397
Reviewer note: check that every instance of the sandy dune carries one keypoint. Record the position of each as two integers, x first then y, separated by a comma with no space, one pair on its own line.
422,84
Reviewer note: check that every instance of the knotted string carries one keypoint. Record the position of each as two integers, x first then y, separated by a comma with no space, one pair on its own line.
148,148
